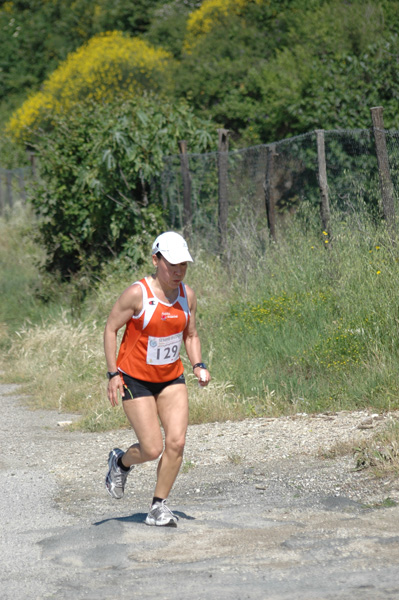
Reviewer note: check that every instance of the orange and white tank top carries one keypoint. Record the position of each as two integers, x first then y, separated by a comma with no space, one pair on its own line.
150,347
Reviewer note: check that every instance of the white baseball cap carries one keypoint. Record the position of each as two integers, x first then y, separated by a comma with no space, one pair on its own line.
173,247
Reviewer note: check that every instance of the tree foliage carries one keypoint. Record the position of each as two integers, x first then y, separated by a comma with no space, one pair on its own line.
267,69
264,69
108,65
39,34
96,169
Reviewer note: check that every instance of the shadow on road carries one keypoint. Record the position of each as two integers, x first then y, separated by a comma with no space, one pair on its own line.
140,518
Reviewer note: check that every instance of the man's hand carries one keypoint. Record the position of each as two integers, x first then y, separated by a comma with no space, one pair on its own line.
203,376
115,385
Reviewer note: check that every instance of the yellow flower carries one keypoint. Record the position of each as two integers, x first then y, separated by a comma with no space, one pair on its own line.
325,233
109,63
201,21
378,272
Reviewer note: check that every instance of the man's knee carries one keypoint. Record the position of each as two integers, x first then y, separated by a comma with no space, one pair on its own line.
152,452
175,445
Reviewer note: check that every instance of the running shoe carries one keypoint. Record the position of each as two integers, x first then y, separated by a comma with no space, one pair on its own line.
116,477
161,516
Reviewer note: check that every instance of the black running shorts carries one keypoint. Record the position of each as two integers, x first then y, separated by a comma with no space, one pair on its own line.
136,388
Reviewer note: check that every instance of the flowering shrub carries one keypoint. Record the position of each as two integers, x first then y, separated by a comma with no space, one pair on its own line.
7,7
274,311
341,348
270,312
201,21
110,63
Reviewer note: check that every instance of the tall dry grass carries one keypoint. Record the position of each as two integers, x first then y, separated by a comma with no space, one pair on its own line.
287,327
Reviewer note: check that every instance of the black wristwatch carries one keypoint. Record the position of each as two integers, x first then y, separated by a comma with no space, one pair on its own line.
202,365
113,374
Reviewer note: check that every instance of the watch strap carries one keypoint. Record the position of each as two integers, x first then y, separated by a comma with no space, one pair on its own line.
201,364
111,374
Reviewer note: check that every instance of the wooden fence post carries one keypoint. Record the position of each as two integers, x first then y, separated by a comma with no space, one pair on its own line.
1,193
22,189
322,178
223,201
387,190
270,193
185,173
32,160
9,188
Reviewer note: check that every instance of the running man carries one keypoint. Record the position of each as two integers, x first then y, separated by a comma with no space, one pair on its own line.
158,313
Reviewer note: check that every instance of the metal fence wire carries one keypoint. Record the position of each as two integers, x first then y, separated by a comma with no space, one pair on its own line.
13,184
284,175
212,196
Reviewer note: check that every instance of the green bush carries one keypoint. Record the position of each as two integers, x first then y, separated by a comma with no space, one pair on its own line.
95,197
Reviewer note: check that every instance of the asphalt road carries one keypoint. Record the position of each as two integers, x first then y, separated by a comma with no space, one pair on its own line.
233,543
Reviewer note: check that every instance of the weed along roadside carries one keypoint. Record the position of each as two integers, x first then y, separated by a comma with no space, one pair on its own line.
310,331
285,510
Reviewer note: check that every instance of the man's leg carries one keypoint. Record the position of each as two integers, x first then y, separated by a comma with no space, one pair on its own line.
142,414
172,406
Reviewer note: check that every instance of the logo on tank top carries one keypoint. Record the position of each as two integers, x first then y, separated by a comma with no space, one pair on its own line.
167,315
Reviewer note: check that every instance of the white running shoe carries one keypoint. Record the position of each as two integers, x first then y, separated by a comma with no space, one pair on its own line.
116,477
161,516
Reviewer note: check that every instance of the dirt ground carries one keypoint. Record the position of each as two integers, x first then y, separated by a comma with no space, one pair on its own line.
261,514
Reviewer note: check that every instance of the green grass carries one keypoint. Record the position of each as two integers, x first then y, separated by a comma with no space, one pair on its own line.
294,327
381,453
317,328
19,257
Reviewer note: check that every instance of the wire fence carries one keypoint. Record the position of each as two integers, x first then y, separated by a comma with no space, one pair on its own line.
340,171
13,187
213,196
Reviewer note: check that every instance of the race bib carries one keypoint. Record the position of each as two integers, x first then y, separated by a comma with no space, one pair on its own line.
164,351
